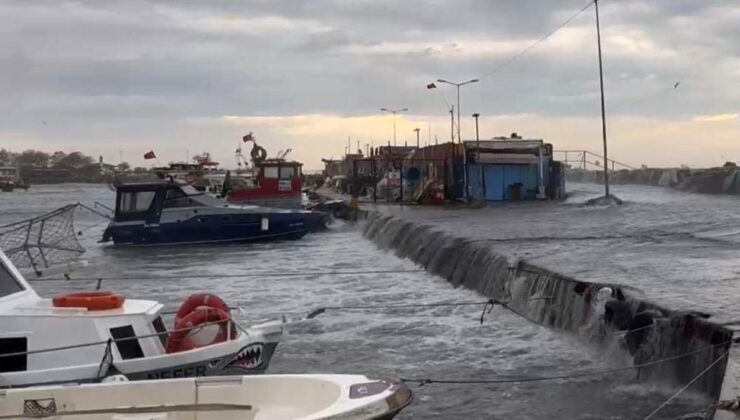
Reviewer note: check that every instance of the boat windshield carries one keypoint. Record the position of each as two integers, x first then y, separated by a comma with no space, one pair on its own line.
8,283
135,202
190,190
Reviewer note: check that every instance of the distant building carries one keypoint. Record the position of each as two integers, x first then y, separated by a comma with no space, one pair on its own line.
333,167
511,169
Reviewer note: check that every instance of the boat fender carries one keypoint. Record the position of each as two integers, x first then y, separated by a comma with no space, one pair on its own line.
178,340
114,378
92,301
618,314
199,300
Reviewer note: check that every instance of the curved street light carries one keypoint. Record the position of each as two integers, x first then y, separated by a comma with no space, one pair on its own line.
457,85
394,112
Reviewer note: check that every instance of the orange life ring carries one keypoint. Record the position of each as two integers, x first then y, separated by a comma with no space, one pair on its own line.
190,179
177,341
200,300
92,301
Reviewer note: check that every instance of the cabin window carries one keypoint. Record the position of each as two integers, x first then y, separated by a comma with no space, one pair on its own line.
8,284
174,193
287,172
126,342
13,345
271,172
159,327
136,201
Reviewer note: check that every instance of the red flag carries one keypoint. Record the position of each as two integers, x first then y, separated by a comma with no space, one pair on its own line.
150,155
431,86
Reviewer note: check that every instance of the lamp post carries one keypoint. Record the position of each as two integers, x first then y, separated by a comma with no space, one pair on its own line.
459,139
417,136
603,108
394,112
481,179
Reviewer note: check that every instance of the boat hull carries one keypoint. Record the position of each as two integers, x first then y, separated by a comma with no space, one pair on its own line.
273,397
237,228
248,354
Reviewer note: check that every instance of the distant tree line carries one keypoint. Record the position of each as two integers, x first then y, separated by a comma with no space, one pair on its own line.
40,159
58,160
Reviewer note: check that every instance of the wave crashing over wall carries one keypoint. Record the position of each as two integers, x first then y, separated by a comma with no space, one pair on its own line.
564,303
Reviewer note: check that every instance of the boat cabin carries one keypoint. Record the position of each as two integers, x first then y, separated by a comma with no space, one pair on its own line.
276,183
31,327
279,174
145,201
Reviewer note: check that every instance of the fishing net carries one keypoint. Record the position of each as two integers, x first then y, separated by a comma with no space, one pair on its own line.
42,242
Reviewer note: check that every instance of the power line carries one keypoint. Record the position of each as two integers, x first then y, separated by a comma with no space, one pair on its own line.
539,41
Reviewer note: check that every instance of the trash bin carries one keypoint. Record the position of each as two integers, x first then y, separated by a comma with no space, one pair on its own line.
516,191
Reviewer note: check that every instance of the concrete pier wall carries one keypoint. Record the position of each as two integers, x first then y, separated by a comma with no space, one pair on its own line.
724,180
558,301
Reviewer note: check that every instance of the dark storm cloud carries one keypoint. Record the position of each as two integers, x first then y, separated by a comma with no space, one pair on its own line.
161,60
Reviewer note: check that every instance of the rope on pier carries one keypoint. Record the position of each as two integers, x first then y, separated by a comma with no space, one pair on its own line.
487,308
466,381
685,387
68,277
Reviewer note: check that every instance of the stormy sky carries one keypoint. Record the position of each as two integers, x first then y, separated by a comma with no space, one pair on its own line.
189,76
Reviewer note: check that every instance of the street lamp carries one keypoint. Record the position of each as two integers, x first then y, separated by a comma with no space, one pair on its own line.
417,136
394,112
603,108
459,139
481,178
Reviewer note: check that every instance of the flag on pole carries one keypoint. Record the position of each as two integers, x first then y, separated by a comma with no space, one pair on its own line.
150,155
431,86
248,137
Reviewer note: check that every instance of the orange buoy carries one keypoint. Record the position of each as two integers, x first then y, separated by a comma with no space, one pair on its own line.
92,301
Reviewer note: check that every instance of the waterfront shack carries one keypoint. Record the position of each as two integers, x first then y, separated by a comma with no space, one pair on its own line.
511,169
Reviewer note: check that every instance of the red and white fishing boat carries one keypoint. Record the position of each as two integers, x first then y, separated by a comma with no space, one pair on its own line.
271,182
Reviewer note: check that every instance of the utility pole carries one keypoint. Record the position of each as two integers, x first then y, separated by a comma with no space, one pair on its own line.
452,124
417,137
603,108
481,179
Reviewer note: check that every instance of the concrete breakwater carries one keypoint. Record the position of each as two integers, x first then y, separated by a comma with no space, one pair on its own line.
564,303
723,180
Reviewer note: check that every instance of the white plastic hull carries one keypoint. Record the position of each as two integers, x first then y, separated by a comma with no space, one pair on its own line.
245,355
274,397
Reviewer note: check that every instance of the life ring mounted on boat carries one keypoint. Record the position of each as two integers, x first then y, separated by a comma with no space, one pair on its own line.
179,339
92,301
199,300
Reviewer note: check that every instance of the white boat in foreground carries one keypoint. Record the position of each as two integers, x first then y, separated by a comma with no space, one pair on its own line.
86,337
273,397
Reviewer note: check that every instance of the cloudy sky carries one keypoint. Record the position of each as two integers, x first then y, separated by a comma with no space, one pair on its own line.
191,76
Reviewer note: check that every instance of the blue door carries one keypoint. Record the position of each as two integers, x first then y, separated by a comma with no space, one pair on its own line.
494,175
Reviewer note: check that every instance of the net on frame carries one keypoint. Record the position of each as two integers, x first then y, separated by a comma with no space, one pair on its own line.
42,242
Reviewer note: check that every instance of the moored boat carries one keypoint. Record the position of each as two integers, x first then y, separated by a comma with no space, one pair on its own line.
86,337
168,213
273,397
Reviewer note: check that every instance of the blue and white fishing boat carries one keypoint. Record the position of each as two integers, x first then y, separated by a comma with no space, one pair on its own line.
168,213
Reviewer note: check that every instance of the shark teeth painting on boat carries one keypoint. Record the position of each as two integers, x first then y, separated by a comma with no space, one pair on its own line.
249,357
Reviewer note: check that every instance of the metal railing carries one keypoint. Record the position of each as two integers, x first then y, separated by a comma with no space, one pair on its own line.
583,159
